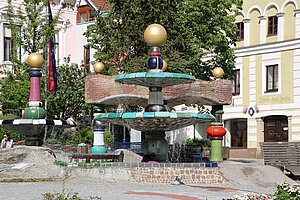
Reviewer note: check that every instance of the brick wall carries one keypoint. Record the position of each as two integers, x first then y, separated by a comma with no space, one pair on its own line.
101,89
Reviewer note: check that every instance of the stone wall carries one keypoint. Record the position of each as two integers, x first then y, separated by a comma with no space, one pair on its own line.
188,173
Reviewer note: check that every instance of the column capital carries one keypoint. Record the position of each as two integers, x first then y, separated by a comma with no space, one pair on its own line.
297,11
246,20
280,14
262,17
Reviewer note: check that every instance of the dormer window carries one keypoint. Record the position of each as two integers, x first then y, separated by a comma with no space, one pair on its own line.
84,14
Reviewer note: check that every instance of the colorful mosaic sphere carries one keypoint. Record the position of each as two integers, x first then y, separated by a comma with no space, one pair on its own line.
99,67
155,35
165,66
155,62
218,72
216,131
35,61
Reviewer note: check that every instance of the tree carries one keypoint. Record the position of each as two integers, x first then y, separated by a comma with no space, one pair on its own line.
69,101
31,32
195,28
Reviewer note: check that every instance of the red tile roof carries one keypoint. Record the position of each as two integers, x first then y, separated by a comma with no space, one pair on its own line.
100,4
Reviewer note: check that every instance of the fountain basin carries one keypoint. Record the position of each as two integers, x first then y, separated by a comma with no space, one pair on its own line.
155,121
34,129
155,79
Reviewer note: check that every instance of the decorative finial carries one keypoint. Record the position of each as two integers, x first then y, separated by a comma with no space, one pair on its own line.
99,67
35,61
218,72
155,35
165,66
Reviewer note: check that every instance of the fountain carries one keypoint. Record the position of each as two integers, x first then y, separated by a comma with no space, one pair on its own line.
157,118
34,119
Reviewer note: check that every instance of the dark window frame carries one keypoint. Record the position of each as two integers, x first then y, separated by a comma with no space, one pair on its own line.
87,57
272,25
273,70
240,30
236,84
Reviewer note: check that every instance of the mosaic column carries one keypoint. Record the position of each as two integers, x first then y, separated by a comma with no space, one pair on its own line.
98,145
155,146
216,131
35,109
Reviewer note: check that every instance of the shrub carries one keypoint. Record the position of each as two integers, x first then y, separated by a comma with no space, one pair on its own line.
198,142
286,191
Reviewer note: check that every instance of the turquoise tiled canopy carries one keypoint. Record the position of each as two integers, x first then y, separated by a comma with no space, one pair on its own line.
155,121
155,79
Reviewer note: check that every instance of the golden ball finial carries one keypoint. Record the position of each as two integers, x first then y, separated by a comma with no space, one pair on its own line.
155,35
35,61
165,66
218,72
99,67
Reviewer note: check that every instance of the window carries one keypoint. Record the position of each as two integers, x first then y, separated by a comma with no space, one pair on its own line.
240,30
9,46
84,14
272,78
272,25
7,43
86,61
236,82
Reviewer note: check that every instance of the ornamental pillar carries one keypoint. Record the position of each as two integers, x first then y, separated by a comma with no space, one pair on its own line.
35,109
263,29
1,37
216,131
280,27
246,32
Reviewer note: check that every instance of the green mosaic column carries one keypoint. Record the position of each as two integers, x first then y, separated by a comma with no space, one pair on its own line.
216,131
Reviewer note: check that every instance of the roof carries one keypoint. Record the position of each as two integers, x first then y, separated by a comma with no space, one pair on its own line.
98,4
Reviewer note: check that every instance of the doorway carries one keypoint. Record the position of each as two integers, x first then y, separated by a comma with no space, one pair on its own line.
276,129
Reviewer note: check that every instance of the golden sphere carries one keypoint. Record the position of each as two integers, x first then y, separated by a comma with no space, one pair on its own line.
155,35
99,67
165,66
35,60
218,72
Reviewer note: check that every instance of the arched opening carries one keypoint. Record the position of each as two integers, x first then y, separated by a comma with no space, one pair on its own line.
276,128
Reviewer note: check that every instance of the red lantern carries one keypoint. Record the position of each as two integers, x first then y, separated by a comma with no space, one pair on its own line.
216,132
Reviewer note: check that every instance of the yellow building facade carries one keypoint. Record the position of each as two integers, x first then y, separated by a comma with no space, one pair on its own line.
266,89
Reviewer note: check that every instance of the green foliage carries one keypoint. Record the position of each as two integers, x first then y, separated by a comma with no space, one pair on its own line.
14,93
94,164
108,137
31,32
198,142
15,136
31,29
286,191
68,101
68,196
194,29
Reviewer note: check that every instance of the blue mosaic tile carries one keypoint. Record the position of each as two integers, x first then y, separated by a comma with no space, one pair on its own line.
148,114
173,115
129,115
210,164
162,114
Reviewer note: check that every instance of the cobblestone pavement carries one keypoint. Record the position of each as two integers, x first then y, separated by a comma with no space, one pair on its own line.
118,190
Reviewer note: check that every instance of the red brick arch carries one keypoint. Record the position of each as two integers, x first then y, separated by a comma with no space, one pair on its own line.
101,89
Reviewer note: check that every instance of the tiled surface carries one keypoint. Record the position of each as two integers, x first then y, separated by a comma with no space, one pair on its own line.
155,121
155,79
